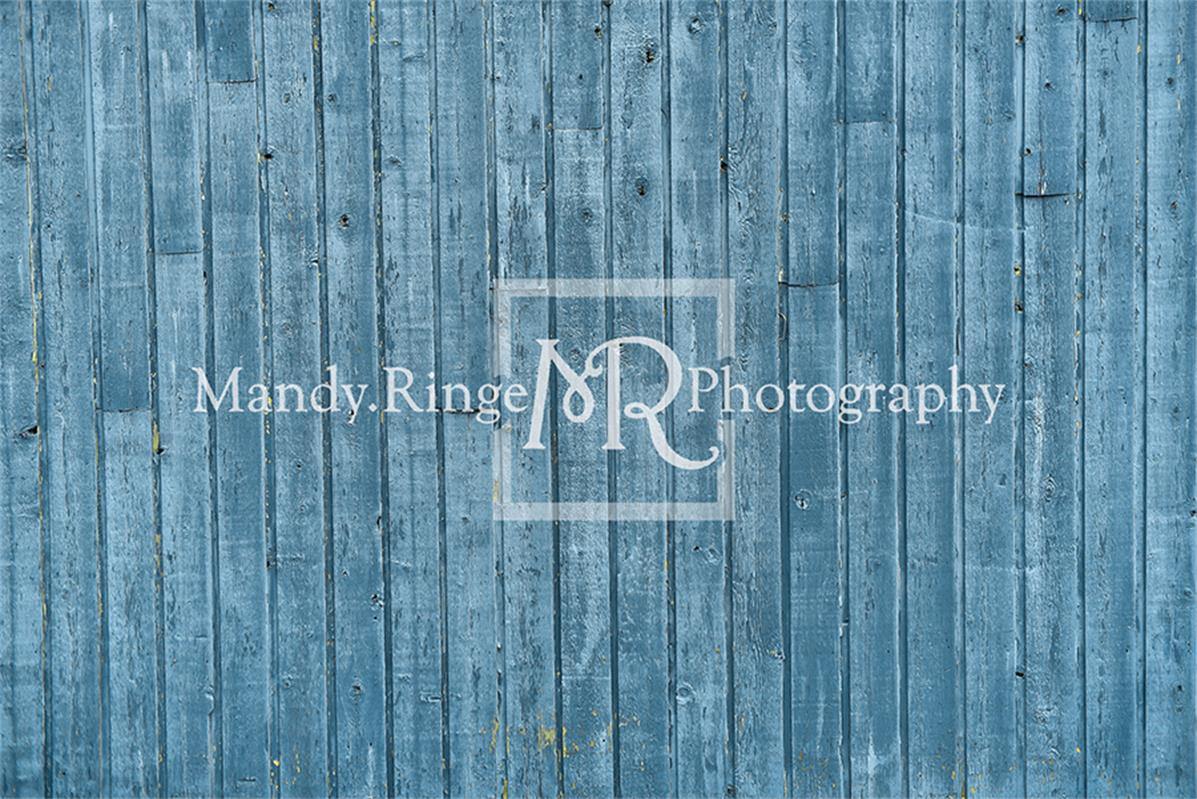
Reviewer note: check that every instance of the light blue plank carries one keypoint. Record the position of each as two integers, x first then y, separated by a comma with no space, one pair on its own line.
120,203
875,519
992,656
577,61
299,469
1171,133
22,634
125,445
244,651
529,559
462,191
638,196
1054,326
755,99
587,726
172,58
933,129
129,608
353,347
69,477
182,443
812,325
229,35
702,591
406,83
1114,402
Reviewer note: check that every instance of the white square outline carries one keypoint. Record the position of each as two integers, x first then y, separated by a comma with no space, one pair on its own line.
722,290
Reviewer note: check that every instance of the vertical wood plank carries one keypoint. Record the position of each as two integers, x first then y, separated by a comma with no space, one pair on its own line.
299,467
637,191
122,243
933,122
463,228
702,755
404,31
812,287
875,523
1171,350
529,561
349,227
588,725
755,102
240,440
69,481
182,443
992,655
1114,409
1054,263
230,52
23,734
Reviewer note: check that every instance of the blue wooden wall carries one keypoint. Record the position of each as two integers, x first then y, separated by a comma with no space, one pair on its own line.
200,604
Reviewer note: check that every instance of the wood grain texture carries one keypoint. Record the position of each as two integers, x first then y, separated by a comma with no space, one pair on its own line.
296,605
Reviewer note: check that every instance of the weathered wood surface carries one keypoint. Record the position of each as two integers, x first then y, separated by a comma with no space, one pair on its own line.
303,605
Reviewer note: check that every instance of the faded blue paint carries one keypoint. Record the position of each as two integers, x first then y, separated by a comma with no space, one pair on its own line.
215,604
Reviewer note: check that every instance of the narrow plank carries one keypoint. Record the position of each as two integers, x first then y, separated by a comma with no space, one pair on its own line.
755,99
1171,132
992,656
1113,410
587,724
464,356
183,453
240,468
701,746
69,484
637,190
812,285
23,734
873,346
181,447
1054,262
520,49
122,241
129,540
229,36
299,467
361,688
933,126
175,144
577,58
118,118
405,67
